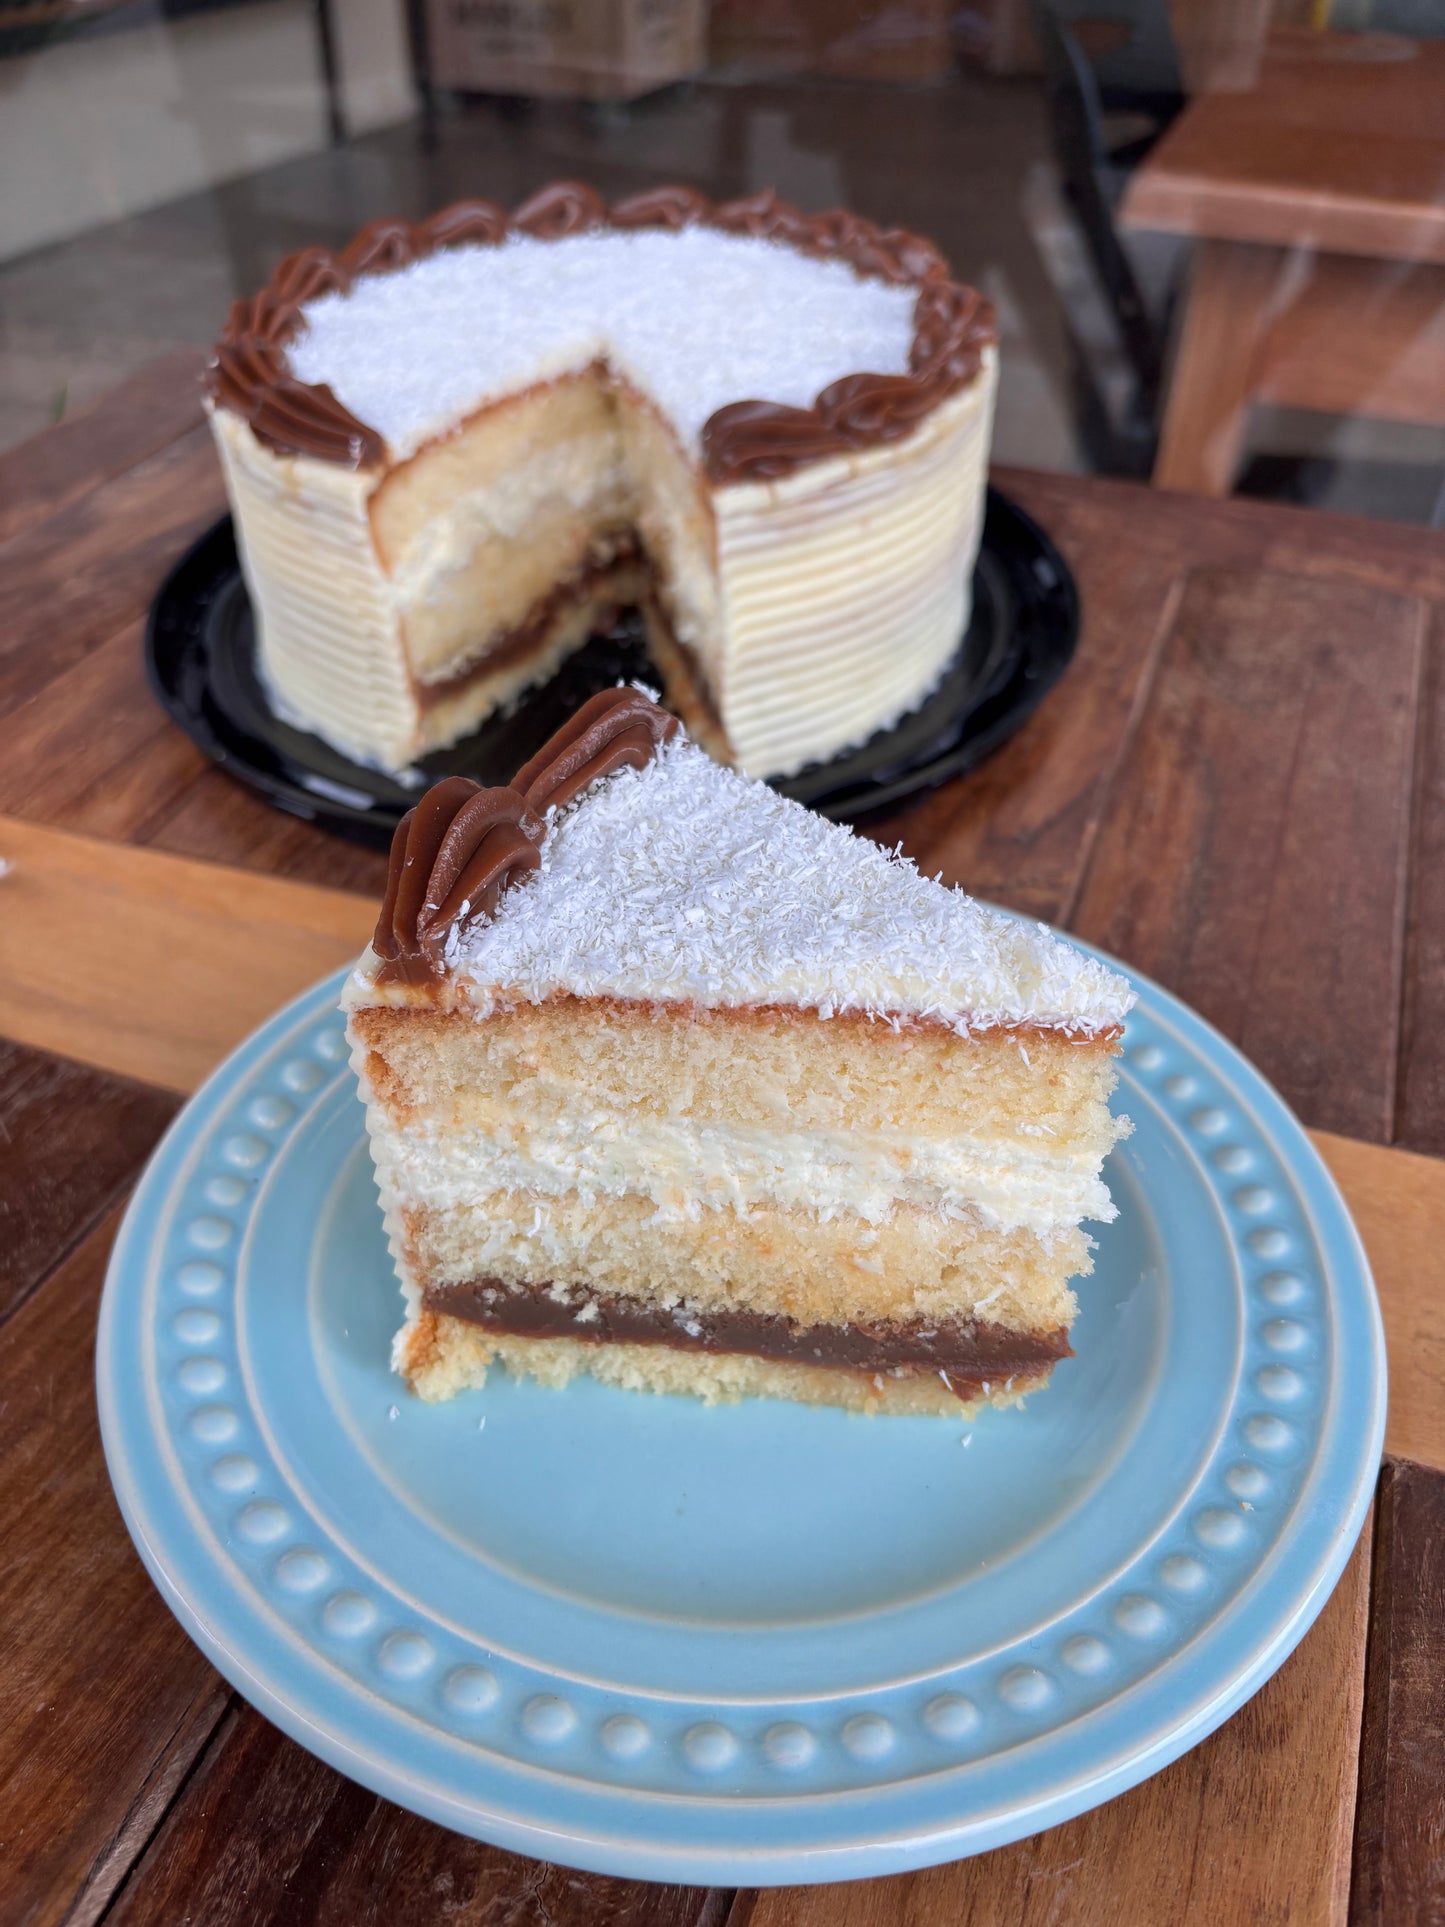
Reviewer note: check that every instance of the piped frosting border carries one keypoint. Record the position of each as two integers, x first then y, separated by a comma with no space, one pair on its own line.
746,441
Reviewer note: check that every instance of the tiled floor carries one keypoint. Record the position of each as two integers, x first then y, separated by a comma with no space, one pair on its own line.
965,161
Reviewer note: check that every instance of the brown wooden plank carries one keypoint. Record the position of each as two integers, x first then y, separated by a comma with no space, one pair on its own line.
264,1833
179,960
1253,856
1237,533
220,821
1420,1102
94,751
1398,1202
73,580
153,407
1014,831
1252,1826
70,1139
103,1699
1399,1862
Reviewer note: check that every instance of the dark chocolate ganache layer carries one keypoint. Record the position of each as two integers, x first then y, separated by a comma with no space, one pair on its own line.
968,1352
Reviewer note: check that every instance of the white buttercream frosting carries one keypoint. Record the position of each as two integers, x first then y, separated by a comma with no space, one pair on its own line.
696,319
684,1166
684,882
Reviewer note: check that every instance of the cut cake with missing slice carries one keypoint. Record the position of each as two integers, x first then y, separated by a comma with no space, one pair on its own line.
670,1081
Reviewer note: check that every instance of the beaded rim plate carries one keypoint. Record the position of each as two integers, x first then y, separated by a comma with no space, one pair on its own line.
760,1643
201,660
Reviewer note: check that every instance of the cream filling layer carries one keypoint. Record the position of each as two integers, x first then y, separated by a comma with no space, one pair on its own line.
684,1168
574,486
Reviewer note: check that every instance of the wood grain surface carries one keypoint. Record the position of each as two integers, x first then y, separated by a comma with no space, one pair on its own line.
104,1701
91,749
70,582
1420,1102
1399,1871
71,1141
158,405
1240,786
1329,332
1398,1203
1270,787
265,1835
1355,337
1020,830
176,953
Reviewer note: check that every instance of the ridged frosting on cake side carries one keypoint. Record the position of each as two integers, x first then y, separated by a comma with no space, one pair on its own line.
681,882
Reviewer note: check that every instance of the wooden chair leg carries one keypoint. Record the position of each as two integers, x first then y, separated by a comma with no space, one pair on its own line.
1228,313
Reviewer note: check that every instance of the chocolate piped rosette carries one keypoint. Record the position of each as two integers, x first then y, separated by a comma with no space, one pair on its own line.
672,1082
458,447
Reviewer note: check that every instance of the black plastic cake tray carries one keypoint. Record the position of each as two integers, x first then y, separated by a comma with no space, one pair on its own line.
201,659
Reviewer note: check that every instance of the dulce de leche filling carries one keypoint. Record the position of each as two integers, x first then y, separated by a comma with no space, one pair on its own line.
969,1354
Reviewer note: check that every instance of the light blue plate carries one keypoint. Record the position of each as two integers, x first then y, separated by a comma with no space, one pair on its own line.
761,1643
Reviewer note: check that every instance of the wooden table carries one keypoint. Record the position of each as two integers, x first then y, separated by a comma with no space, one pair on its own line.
1240,788
1318,198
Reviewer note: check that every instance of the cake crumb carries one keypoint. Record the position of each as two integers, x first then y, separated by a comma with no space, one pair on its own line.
392,1412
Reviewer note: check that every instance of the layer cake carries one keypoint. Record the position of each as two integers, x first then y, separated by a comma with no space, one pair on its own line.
670,1081
457,448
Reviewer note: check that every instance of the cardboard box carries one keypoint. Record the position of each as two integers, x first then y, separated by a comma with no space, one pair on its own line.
584,49
856,39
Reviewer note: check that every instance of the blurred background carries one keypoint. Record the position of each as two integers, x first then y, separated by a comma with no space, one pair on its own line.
1214,229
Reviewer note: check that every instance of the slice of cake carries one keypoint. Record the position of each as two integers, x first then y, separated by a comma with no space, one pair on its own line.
670,1081
458,448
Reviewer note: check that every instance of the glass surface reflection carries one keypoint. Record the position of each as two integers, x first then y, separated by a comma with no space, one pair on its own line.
1214,229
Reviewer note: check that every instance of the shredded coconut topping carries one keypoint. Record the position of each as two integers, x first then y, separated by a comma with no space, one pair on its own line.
683,882
695,319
